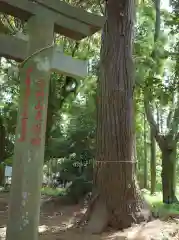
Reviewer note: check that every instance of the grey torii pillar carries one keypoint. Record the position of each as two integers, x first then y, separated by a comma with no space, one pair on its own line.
30,133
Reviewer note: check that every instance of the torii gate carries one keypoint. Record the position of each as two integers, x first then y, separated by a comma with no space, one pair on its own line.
44,17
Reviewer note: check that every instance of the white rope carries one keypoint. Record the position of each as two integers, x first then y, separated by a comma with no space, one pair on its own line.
116,161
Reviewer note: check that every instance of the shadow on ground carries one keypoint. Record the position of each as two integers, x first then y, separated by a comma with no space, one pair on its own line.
56,221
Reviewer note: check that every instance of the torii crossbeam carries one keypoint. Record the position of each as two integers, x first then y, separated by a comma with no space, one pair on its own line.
17,49
70,21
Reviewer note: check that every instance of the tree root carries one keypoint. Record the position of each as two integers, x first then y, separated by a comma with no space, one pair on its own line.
85,217
98,217
95,220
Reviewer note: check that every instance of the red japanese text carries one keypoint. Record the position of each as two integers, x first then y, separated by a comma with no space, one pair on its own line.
39,107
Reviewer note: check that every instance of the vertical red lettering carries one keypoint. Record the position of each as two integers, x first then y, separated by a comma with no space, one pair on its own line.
39,106
29,70
39,111
39,94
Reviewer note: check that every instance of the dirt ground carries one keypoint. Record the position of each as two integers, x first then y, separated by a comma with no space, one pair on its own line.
56,221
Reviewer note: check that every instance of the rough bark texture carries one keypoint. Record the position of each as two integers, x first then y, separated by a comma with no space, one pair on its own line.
118,202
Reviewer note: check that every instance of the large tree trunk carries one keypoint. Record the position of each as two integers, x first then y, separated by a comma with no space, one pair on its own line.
119,203
168,175
152,162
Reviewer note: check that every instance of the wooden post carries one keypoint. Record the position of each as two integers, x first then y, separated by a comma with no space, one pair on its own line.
30,133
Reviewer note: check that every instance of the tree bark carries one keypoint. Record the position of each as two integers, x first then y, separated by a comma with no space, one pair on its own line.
145,156
168,175
2,149
118,201
2,140
153,162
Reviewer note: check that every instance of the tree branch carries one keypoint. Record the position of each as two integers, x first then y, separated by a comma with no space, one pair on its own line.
154,126
177,137
173,132
101,7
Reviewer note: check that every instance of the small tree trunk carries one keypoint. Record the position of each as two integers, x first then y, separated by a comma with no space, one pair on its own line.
168,175
2,149
145,156
2,140
153,162
50,173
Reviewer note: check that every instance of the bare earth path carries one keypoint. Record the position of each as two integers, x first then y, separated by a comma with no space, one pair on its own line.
56,219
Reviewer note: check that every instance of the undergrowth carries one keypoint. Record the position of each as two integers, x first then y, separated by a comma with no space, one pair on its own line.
54,192
158,207
155,201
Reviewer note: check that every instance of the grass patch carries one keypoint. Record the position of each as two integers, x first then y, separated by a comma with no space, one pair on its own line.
54,192
158,207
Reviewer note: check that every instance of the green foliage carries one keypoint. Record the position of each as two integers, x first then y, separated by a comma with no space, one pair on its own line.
158,208
53,192
8,161
78,189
